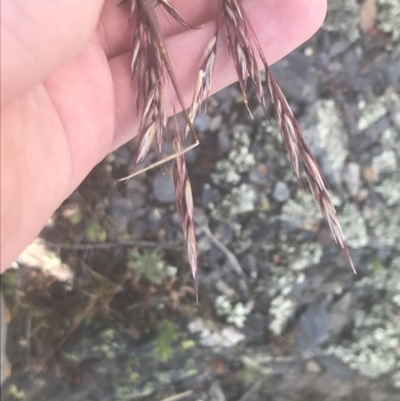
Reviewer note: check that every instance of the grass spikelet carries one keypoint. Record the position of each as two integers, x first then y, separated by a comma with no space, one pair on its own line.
149,63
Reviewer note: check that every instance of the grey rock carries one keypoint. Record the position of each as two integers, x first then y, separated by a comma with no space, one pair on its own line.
121,212
202,122
281,192
339,314
208,195
336,367
224,142
163,188
343,19
295,76
216,123
314,328
215,393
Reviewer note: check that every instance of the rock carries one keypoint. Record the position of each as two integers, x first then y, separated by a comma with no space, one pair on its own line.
296,77
210,336
121,212
202,122
163,188
351,177
215,393
216,123
337,367
313,328
281,192
208,195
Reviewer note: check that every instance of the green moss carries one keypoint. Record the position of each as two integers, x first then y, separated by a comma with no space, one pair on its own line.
134,377
191,372
95,232
167,334
150,265
187,344
15,393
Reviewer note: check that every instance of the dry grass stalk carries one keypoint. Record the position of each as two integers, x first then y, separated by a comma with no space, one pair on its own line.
148,66
240,48
204,78
239,33
300,154
149,62
184,205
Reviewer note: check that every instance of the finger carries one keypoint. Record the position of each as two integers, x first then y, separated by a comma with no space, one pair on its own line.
117,33
39,36
288,24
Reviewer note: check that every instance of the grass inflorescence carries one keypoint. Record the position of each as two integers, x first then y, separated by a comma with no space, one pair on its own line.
151,65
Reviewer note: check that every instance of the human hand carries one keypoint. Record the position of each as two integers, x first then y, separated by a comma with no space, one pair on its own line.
67,98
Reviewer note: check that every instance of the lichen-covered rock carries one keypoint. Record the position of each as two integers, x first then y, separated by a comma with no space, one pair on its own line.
239,161
353,226
375,337
388,21
343,18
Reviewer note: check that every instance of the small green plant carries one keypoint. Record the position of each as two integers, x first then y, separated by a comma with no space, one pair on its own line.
95,233
150,265
167,334
15,393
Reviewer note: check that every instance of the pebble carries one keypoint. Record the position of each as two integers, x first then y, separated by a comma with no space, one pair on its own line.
351,177
121,212
314,328
202,122
281,192
336,367
163,188
215,392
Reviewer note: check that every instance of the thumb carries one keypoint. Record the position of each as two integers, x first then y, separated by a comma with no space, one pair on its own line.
39,36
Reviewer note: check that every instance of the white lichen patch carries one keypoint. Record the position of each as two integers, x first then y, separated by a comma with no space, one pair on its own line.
388,20
385,227
353,226
301,212
234,314
240,200
389,189
375,346
343,18
210,336
333,139
384,163
281,310
239,161
308,254
295,258
371,112
242,238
